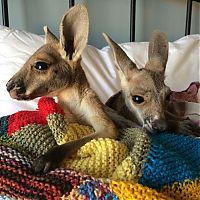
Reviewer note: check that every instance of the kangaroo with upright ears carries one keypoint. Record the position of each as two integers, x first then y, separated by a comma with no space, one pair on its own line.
143,94
55,70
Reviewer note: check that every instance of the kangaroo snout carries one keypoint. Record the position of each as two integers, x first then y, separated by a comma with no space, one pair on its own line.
159,125
156,125
16,89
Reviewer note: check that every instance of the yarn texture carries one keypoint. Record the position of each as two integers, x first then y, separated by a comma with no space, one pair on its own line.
136,166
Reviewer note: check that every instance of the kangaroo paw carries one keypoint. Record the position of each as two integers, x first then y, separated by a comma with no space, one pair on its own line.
48,161
188,127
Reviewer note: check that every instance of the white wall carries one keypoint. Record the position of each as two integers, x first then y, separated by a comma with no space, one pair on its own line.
111,16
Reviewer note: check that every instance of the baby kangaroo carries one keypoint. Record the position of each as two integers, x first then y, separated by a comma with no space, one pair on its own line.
143,92
55,70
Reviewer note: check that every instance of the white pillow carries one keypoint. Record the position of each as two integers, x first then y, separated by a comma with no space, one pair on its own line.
16,46
183,66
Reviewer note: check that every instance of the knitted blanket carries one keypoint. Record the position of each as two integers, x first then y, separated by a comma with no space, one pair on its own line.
136,166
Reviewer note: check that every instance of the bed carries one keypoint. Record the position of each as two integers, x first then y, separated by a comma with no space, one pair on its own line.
160,167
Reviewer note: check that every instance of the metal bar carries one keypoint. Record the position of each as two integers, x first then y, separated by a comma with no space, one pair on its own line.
71,3
4,7
188,17
132,20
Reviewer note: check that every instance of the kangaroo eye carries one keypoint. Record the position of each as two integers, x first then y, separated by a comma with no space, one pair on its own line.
41,65
138,99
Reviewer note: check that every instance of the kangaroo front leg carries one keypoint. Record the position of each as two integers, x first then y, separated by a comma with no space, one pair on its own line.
54,156
185,127
181,124
93,113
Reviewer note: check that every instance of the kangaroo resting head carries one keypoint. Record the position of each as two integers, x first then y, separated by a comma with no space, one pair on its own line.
144,89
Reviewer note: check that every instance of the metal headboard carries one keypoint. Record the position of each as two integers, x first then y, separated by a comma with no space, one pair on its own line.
4,7
132,17
189,16
5,16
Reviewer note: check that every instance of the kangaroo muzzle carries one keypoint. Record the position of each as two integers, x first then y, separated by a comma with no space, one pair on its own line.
156,125
16,89
159,125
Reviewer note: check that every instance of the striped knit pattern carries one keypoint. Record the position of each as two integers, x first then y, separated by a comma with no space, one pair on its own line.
91,189
99,158
143,162
34,140
172,158
103,158
107,158
188,190
184,191
12,123
4,125
18,181
138,142
3,197
22,119
132,191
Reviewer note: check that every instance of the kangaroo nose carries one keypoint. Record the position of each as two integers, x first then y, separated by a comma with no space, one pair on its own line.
15,89
10,85
18,86
159,125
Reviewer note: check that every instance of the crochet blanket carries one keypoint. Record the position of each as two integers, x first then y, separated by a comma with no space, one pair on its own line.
136,166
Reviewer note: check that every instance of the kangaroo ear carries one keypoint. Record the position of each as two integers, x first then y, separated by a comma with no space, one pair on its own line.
74,29
122,61
158,52
49,36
